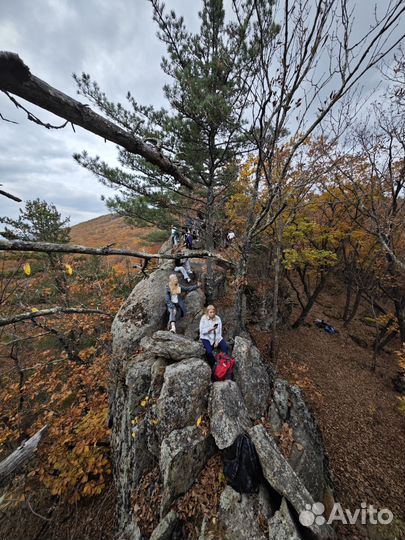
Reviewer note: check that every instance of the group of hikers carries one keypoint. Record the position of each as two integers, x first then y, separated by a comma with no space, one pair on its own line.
210,323
189,233
188,236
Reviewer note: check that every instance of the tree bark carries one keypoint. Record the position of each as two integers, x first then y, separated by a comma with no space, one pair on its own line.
20,456
277,271
15,77
209,243
310,303
355,307
349,289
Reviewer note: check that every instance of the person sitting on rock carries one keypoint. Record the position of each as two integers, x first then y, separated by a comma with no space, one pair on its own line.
184,267
175,301
211,333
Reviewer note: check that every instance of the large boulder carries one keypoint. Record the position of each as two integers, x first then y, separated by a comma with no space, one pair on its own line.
143,312
172,347
129,435
280,475
244,516
228,414
138,376
130,532
166,527
183,455
307,456
282,526
190,325
252,377
218,283
183,399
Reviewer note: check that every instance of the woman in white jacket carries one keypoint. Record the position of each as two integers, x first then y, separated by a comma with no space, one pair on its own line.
211,333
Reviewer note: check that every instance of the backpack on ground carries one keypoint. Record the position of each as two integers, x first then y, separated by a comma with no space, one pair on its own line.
242,467
223,368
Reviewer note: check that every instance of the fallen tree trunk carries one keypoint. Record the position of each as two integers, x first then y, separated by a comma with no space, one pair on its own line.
48,247
16,78
20,456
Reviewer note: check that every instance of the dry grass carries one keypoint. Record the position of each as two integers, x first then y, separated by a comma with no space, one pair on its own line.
114,231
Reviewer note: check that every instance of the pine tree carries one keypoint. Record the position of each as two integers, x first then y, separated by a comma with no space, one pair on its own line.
204,129
40,221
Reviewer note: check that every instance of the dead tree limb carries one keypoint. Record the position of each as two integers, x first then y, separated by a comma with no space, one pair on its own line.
8,195
16,78
20,456
48,247
28,315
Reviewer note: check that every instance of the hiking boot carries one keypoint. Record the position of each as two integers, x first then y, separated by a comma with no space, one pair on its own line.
173,327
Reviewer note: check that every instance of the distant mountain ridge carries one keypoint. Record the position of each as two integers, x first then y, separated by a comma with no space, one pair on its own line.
110,229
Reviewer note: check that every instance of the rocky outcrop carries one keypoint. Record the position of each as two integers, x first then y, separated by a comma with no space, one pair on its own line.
246,516
228,414
172,347
184,396
129,441
252,377
282,525
143,312
183,455
280,475
166,411
260,308
307,456
164,530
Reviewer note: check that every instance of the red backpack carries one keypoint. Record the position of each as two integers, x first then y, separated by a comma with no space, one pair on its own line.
223,367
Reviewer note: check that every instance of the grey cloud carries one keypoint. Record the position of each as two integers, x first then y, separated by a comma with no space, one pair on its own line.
115,41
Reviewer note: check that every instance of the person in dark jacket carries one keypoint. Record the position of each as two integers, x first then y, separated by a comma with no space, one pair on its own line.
175,301
189,240
184,267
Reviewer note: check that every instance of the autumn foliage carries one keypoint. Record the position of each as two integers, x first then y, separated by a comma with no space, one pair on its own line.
55,370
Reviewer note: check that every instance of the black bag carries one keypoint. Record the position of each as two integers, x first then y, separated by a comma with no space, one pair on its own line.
242,466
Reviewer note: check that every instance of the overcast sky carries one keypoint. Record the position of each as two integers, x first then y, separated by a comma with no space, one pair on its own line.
114,41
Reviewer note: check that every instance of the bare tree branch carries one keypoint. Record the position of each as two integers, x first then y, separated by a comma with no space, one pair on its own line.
29,315
15,77
20,456
47,247
8,195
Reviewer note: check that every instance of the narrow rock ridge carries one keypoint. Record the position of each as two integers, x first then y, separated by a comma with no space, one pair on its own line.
162,389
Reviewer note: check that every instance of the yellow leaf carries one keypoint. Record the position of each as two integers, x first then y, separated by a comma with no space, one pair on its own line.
27,269
69,269
144,402
34,310
155,421
199,421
